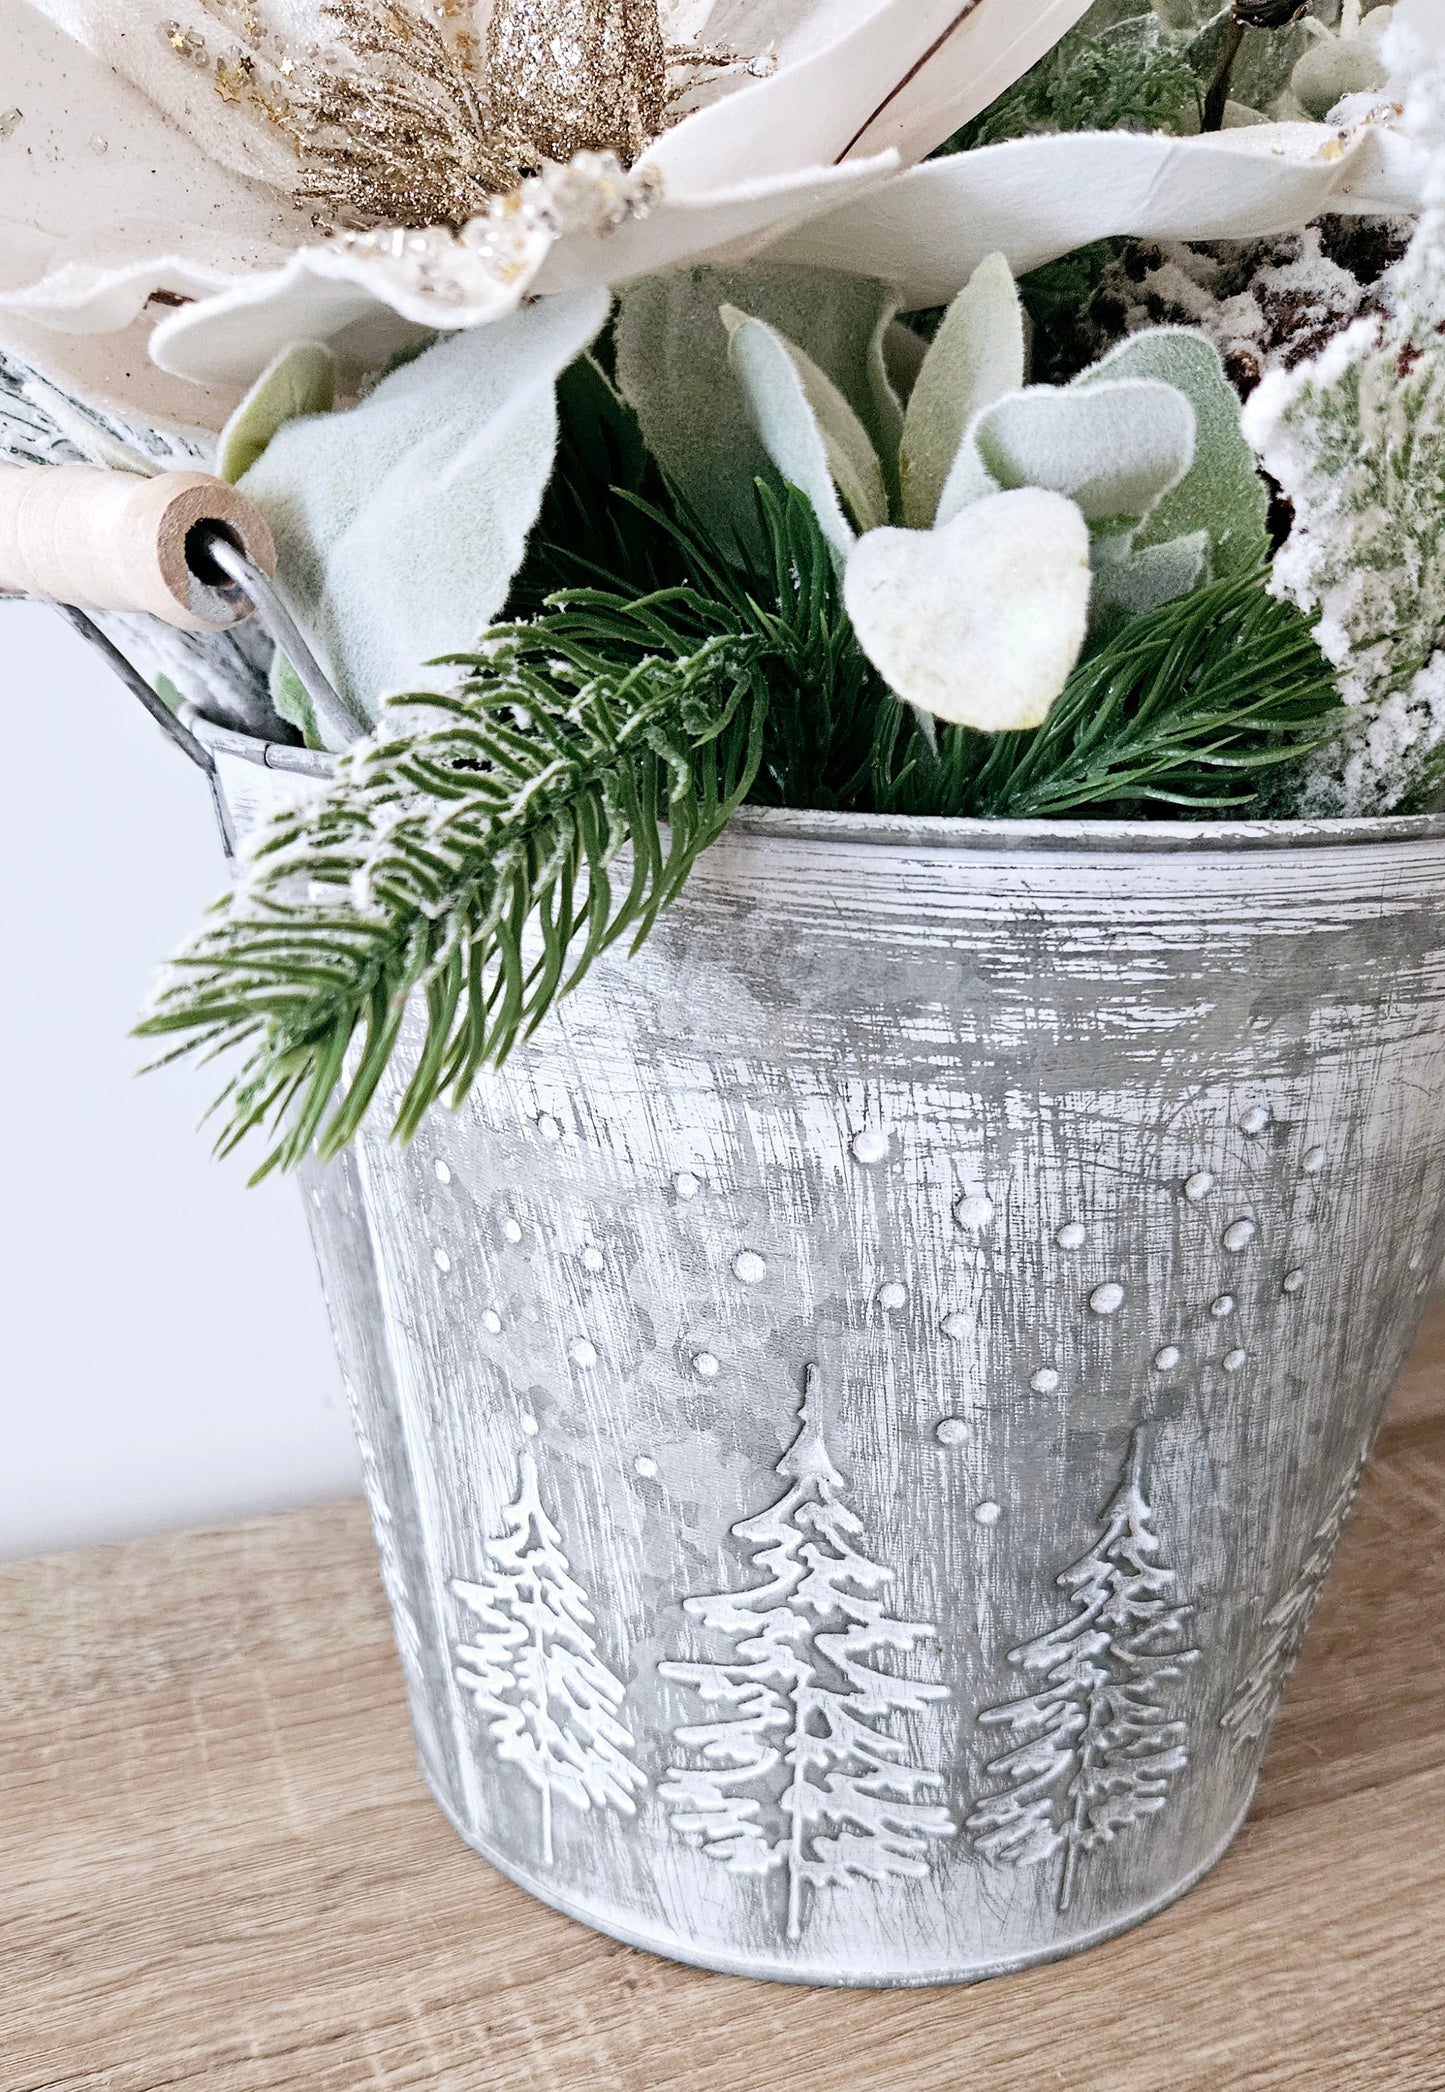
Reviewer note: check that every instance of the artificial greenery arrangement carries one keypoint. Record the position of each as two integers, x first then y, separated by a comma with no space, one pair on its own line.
1069,474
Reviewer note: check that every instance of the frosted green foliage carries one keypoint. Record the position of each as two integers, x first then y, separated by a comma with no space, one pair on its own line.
977,356
980,621
1222,493
1115,448
673,370
808,429
1107,74
301,380
401,523
1357,441
1414,51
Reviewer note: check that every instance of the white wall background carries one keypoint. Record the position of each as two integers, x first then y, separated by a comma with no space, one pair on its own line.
164,1356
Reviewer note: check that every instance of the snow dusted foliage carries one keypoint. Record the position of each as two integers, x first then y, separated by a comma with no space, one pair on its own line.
1253,1708
1094,1746
533,1666
798,1771
1356,439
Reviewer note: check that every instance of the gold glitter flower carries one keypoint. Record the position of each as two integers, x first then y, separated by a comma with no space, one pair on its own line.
424,144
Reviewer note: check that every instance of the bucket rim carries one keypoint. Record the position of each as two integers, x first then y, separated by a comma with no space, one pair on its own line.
946,833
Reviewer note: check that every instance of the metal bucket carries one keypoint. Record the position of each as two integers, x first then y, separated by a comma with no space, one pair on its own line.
858,1413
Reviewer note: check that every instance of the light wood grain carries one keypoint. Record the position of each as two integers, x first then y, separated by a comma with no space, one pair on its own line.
118,541
219,1869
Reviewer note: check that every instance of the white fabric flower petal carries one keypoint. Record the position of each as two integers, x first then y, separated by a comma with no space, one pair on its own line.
366,304
1034,199
102,202
204,209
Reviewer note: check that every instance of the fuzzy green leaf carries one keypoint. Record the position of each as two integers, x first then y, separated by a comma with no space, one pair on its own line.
1222,492
673,370
812,435
401,522
301,380
1142,578
977,356
1115,449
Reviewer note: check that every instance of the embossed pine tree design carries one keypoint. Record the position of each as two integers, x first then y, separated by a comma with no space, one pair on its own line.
1095,1745
1287,1622
533,1666
799,1772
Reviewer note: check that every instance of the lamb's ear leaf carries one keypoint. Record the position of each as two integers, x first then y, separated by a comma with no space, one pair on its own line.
292,700
969,480
1142,578
301,380
981,621
1222,491
808,429
401,523
977,356
1116,449
887,399
904,355
673,370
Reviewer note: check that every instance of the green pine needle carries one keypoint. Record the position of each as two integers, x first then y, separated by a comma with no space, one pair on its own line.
1191,709
487,815
464,858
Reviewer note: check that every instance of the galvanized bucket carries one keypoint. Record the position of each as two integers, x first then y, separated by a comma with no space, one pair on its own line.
858,1413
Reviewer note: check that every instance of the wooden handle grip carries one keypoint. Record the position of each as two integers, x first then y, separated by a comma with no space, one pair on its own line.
114,541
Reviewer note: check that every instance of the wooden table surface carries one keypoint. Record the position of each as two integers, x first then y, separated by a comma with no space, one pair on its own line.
219,1869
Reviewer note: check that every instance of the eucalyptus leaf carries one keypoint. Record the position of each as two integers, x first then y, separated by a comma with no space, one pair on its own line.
812,435
301,380
673,371
1222,491
980,621
400,523
1114,448
977,356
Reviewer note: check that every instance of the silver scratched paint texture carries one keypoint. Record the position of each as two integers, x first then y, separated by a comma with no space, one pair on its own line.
825,1134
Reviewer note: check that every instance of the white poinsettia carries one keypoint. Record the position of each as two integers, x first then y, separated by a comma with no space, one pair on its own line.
152,152
151,148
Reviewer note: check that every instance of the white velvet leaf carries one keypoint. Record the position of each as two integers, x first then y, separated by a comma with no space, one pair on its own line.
981,621
401,522
1114,448
808,429
1222,493
302,380
977,356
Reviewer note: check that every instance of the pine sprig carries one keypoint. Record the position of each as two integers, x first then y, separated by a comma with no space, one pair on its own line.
421,870
465,857
1192,708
